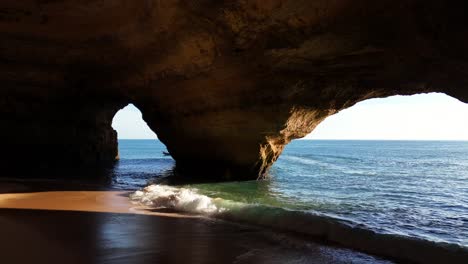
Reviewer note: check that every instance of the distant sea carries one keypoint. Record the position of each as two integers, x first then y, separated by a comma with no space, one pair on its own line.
414,189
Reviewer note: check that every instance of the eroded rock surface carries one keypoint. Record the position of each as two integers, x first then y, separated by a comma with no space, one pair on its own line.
225,84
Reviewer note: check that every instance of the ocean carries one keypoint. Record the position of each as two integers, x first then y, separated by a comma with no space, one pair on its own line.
402,189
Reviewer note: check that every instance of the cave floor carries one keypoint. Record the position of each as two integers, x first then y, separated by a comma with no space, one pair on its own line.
101,226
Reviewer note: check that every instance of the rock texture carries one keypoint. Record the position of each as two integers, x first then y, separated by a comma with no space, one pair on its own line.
225,84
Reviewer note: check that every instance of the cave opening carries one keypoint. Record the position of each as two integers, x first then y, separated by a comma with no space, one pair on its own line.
142,156
397,164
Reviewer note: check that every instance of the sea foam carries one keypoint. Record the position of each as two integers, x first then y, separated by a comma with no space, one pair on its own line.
180,199
323,227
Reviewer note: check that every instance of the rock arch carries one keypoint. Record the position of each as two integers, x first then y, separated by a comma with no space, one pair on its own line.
225,85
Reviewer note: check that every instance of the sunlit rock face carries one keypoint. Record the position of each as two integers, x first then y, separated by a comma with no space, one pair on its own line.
225,84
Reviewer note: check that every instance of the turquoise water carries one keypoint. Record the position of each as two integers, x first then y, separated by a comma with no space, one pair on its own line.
410,188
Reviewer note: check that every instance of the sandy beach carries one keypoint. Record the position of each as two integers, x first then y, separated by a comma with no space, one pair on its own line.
70,226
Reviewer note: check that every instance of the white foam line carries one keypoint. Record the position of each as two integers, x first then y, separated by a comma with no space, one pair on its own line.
181,199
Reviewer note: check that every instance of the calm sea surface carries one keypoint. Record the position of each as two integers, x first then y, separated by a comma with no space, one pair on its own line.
410,188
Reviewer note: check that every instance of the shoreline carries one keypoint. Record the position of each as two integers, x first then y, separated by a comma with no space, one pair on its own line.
317,231
319,228
105,227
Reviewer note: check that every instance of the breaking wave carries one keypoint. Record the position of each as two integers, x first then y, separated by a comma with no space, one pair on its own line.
329,229
180,199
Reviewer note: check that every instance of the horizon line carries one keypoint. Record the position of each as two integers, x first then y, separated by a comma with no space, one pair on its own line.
336,139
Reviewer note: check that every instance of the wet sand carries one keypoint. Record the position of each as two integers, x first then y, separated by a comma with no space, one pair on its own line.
104,227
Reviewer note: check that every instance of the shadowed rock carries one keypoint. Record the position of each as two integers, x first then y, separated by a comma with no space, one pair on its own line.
225,84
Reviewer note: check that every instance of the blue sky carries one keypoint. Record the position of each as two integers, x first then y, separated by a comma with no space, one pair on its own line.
421,117
129,124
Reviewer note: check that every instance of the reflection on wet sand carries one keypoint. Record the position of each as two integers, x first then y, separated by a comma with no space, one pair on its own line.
104,227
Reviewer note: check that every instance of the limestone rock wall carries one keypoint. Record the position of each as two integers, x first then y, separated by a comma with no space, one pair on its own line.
224,84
